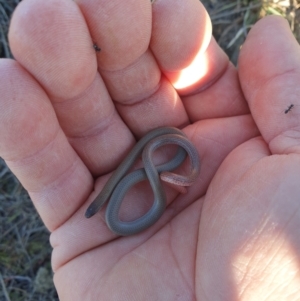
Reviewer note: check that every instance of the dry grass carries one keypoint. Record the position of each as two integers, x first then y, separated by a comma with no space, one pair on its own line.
6,9
232,20
25,272
25,252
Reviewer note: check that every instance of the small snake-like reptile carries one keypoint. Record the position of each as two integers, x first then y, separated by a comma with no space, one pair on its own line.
119,183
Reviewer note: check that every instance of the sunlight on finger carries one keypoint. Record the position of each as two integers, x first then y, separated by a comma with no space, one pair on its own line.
195,66
194,72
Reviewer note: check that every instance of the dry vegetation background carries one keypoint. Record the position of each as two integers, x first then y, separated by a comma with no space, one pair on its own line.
25,271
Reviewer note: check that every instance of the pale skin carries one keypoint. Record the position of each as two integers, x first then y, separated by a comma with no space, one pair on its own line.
235,234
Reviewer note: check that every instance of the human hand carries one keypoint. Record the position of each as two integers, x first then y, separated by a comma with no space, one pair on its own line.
236,230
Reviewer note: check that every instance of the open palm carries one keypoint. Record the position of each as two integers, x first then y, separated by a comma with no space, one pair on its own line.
69,113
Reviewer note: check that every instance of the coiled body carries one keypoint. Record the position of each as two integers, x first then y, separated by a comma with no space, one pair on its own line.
120,182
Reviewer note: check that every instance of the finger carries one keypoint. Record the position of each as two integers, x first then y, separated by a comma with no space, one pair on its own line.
35,148
270,73
47,38
193,62
160,104
144,99
52,41
212,145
